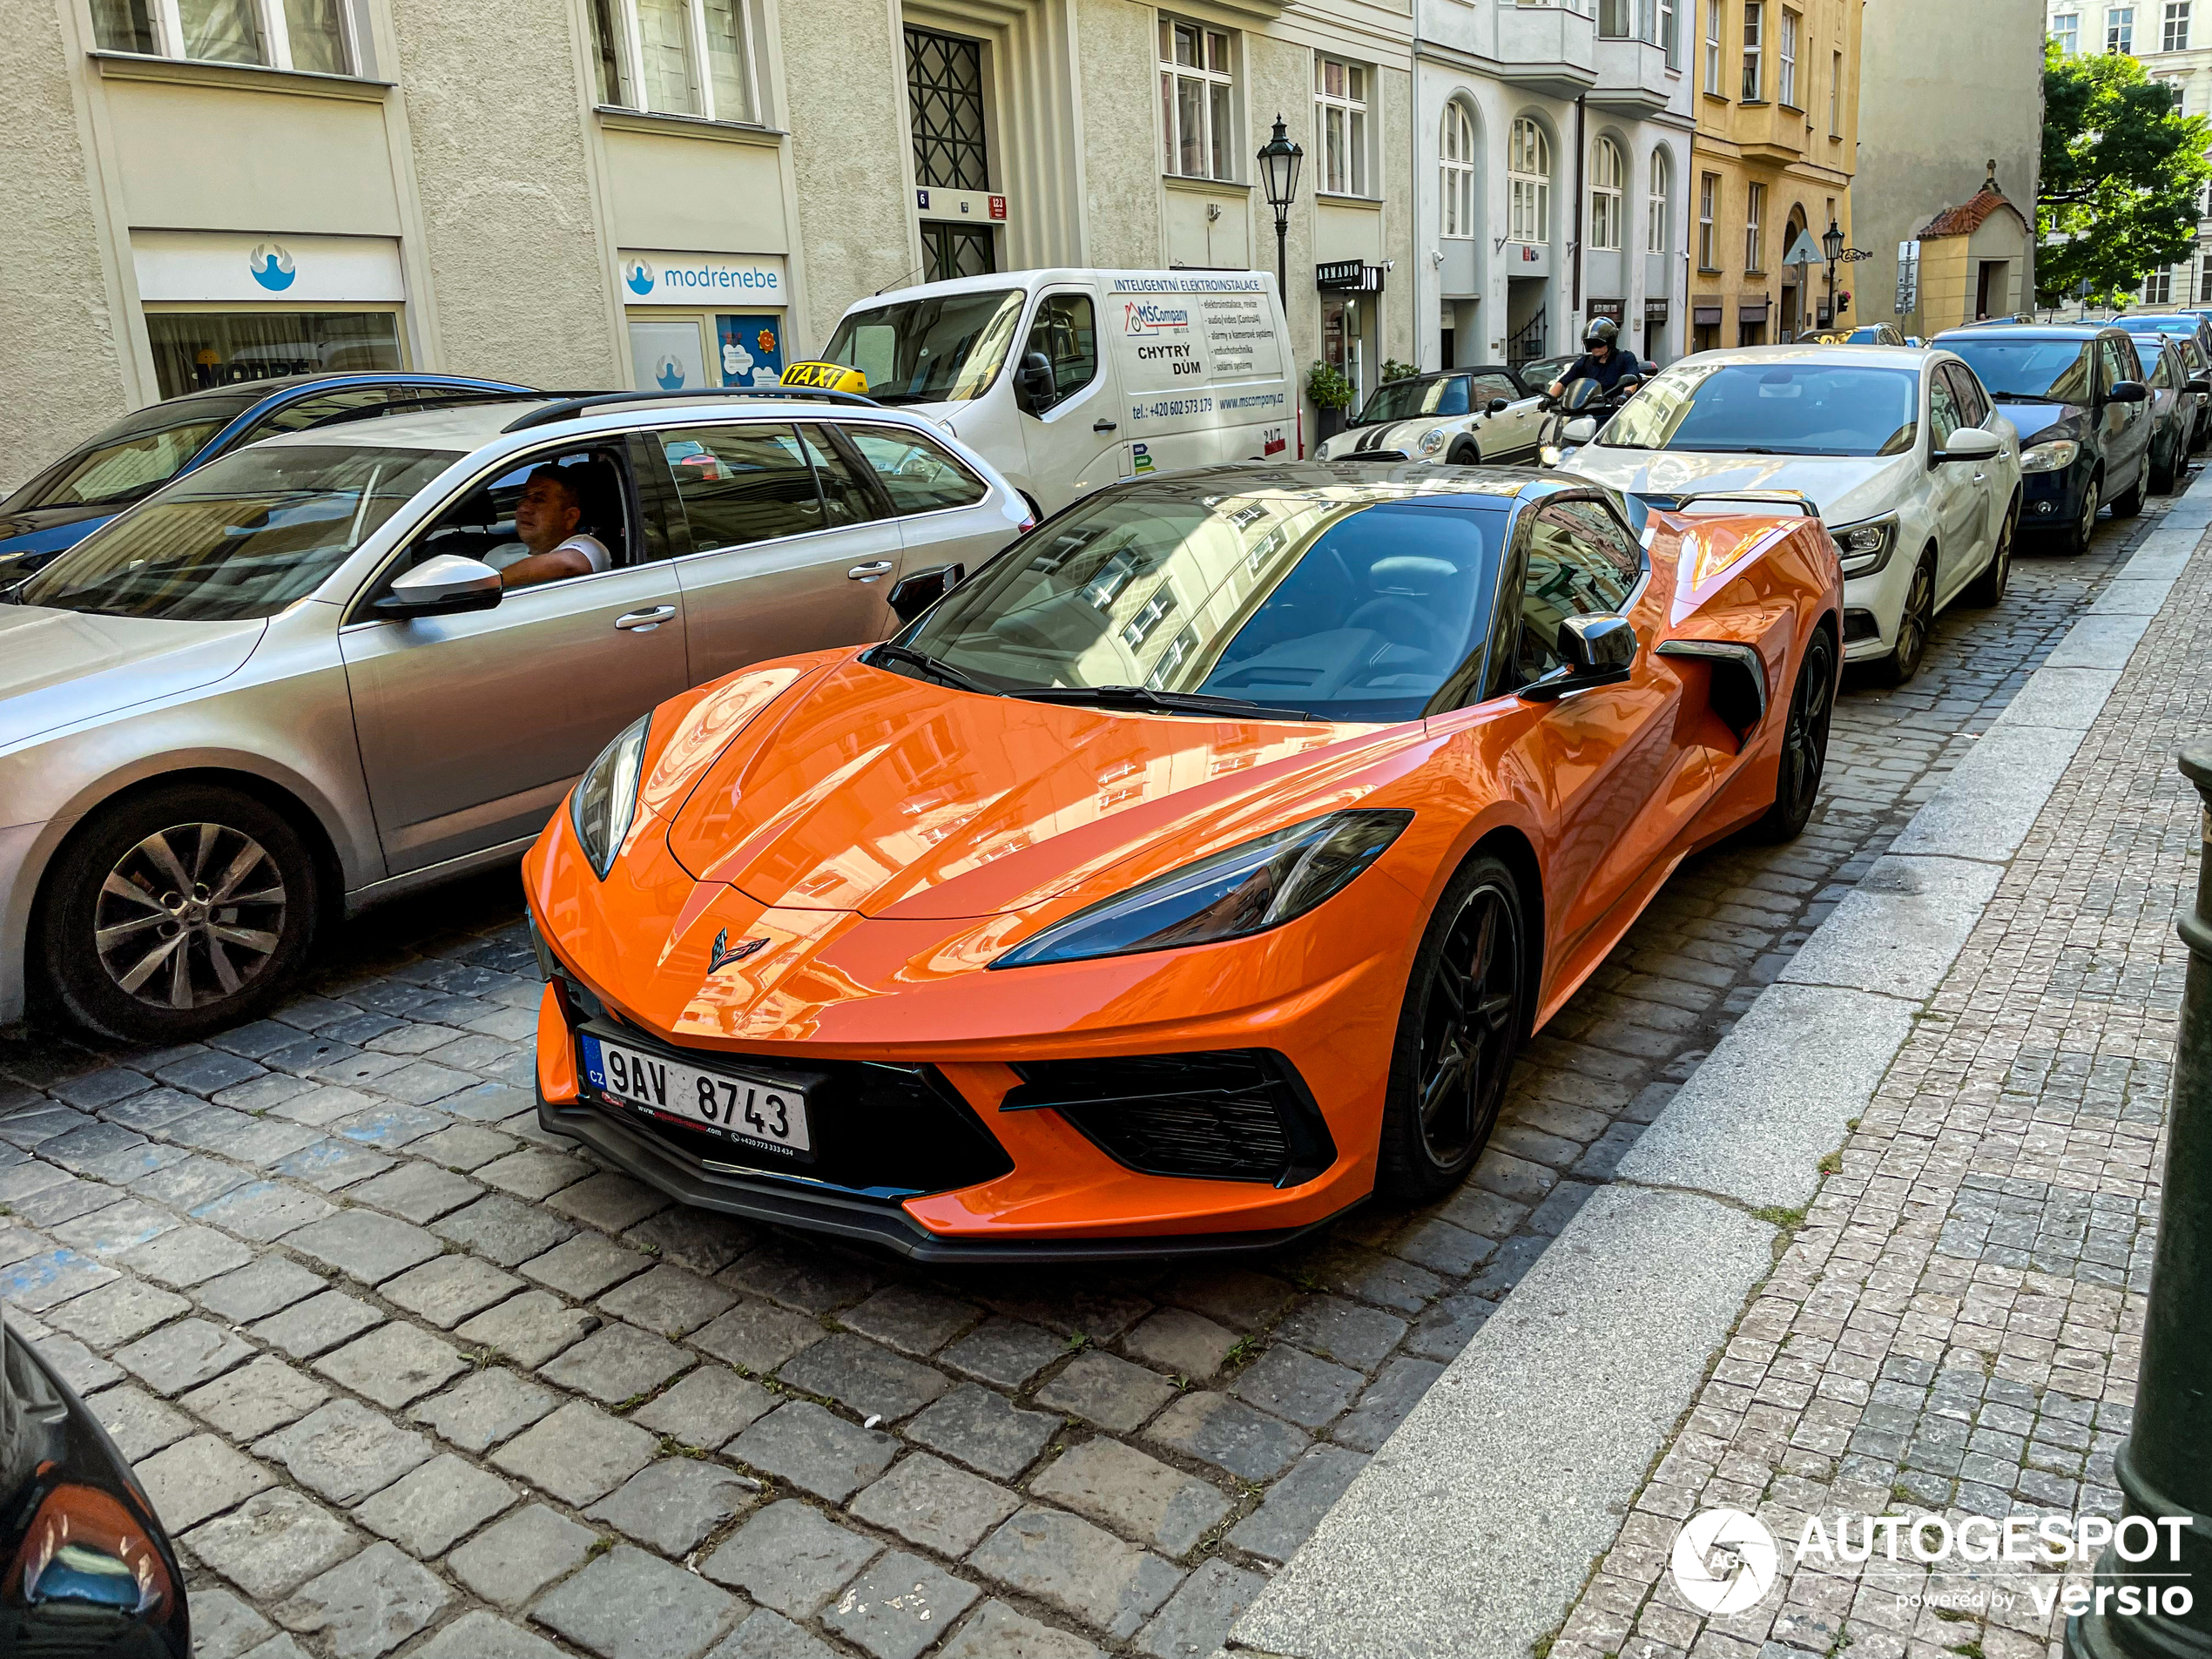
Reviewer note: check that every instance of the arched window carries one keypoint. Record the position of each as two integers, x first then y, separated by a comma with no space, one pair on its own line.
1528,174
1659,207
1456,174
1606,176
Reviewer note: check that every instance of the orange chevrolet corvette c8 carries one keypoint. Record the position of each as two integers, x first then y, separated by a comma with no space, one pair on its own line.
1189,873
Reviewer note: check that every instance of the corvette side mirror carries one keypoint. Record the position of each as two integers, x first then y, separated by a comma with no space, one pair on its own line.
915,594
1600,651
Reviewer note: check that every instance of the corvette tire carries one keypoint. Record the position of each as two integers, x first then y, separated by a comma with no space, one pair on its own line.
1459,1031
1804,744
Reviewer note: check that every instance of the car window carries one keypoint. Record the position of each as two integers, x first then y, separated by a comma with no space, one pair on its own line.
132,458
921,477
1489,386
481,525
246,535
297,417
845,497
1943,412
2119,365
2158,379
1580,563
1974,407
1066,332
741,484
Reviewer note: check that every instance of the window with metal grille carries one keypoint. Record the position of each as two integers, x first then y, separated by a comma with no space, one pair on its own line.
1528,177
945,100
1340,115
1196,88
1457,170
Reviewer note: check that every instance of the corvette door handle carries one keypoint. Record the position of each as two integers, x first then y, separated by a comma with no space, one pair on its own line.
644,620
1103,425
869,571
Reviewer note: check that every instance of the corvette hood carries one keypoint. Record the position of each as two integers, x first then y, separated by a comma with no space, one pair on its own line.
1842,489
866,791
60,667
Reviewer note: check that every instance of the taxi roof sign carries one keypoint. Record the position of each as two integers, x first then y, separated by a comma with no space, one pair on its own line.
827,377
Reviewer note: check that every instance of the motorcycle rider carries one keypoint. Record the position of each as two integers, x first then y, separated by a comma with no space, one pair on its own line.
1601,360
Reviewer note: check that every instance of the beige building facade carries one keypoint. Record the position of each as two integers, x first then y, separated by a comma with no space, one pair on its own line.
586,193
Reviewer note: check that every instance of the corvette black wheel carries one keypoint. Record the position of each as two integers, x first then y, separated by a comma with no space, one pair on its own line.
1458,1032
1804,743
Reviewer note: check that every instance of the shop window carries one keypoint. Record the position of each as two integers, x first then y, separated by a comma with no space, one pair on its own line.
1528,178
677,57
921,477
315,36
1456,171
1606,195
194,350
1196,99
1340,115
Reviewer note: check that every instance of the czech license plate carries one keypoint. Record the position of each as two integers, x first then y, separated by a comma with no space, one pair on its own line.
750,1109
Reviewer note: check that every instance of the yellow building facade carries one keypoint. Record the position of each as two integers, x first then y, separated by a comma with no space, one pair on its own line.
1771,161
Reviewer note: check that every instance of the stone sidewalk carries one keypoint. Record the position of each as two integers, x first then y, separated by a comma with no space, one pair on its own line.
409,1377
1953,1326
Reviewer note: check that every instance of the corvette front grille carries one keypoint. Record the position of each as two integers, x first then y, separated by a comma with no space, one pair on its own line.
1229,1115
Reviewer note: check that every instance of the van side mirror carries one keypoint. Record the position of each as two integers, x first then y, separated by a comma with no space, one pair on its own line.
443,586
1600,651
1032,383
915,594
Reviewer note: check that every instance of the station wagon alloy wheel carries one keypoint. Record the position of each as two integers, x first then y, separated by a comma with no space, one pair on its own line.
189,914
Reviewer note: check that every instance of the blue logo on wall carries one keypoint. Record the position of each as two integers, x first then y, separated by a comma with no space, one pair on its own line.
272,267
640,277
669,374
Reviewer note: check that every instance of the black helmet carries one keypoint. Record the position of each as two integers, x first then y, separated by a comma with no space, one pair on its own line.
1602,331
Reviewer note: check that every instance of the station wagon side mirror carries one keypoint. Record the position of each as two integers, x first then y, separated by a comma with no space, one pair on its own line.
1969,443
1032,383
1498,406
915,594
2128,392
443,586
1600,651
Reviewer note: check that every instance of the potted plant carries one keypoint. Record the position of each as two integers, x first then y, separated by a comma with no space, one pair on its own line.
1331,395
1394,370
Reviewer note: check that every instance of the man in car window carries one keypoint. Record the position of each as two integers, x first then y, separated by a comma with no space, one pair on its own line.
1601,360
546,517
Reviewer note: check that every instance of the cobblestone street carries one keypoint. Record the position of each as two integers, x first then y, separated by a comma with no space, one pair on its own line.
404,1374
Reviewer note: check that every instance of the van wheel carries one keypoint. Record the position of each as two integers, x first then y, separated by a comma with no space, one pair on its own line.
178,912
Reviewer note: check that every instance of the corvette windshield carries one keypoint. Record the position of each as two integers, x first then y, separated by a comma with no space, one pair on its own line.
1779,408
1330,600
243,536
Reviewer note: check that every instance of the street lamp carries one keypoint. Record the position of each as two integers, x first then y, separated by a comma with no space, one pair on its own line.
1279,165
1831,246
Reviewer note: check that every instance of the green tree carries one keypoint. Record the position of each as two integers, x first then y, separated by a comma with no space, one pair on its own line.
2123,170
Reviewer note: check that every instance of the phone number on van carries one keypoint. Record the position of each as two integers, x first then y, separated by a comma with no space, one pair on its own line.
1166,407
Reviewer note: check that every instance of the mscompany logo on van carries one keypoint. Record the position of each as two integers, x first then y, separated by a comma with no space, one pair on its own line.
1146,317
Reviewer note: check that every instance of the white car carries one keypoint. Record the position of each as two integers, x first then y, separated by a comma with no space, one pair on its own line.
1899,448
1462,417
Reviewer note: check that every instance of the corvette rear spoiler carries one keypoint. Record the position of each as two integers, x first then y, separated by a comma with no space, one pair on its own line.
1682,504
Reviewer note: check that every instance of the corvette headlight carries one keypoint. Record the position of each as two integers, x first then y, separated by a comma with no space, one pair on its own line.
2054,456
1433,442
1864,548
1246,890
605,798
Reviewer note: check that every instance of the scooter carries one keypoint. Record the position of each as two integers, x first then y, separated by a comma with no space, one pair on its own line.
1578,414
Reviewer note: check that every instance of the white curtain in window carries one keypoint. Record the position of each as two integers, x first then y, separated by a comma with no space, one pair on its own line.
1528,175
226,31
1458,171
1654,234
1605,170
664,47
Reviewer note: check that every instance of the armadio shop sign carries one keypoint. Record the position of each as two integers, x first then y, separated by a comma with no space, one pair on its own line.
696,280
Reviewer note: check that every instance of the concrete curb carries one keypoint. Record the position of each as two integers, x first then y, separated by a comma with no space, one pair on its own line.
1475,1526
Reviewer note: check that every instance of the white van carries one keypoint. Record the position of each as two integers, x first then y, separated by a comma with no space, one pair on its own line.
1066,380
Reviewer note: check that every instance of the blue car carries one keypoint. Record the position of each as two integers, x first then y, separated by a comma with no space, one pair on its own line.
67,501
2076,392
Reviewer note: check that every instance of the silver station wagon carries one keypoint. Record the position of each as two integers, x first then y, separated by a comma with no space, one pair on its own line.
299,680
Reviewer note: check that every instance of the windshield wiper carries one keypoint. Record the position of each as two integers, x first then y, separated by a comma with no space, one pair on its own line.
928,664
2025,397
1143,697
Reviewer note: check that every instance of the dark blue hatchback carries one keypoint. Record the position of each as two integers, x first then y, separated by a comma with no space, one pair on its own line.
67,500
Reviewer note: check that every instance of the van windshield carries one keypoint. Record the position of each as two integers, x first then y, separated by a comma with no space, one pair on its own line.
944,349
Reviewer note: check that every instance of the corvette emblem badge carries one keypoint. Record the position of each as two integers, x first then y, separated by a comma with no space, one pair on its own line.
724,953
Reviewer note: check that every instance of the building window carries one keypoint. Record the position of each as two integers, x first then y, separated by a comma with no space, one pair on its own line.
1655,230
2158,288
1667,40
1708,186
1340,113
1836,96
1754,40
1613,19
194,350
2066,29
1606,181
1456,173
1528,178
675,56
2204,279
944,95
2120,29
2176,37
1786,62
1754,235
310,35
1195,94
1713,49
